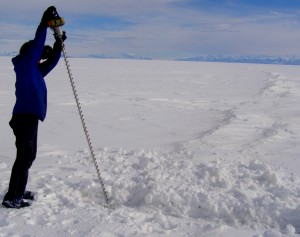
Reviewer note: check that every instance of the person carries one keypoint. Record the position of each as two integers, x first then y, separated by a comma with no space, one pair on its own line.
34,62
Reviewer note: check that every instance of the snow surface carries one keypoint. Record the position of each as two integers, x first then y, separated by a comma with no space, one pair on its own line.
184,148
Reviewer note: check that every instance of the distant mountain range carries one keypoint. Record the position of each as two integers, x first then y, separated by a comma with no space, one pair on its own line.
13,53
122,56
227,59
206,58
246,59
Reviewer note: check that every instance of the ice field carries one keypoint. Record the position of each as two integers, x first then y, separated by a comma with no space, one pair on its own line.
184,148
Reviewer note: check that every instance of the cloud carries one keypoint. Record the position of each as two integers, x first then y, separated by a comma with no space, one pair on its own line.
160,28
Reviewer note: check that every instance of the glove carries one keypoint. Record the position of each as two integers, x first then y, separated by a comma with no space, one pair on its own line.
48,15
63,37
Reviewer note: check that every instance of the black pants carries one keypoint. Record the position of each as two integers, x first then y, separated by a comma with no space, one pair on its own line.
25,128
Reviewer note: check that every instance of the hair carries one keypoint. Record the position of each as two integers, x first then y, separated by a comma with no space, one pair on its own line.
25,47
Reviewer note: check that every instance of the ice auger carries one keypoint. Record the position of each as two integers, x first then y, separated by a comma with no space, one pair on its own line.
56,25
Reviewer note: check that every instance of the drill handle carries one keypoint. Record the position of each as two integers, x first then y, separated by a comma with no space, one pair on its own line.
56,21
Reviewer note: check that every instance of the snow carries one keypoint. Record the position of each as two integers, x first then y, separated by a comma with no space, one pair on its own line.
184,149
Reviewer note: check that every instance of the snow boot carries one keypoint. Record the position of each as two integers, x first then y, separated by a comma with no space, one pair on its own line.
15,203
28,195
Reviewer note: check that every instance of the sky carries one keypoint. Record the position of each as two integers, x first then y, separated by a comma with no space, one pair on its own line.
161,29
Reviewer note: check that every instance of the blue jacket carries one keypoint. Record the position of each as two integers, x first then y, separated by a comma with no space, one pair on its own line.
31,90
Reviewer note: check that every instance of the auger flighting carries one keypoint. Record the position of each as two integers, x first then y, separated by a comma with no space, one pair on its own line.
56,25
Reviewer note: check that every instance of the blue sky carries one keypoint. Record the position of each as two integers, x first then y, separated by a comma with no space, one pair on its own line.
163,29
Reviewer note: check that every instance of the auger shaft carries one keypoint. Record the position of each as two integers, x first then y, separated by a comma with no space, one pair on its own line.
58,31
84,124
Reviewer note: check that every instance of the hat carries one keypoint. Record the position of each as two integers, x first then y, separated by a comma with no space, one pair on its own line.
24,48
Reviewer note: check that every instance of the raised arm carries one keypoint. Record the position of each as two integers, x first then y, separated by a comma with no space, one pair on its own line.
39,40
